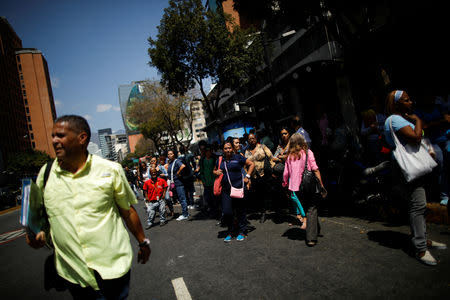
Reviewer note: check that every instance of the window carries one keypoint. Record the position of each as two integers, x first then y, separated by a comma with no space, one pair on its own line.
28,118
30,127
27,109
23,85
20,67
33,144
24,93
21,77
25,100
32,136
18,58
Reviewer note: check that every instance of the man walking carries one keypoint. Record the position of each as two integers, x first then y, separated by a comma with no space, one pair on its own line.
86,197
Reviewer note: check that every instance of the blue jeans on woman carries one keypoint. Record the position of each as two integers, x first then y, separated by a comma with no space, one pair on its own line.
182,199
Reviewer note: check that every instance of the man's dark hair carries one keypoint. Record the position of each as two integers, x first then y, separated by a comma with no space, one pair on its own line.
77,123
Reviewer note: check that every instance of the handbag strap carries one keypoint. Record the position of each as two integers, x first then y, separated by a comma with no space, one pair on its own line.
228,176
171,171
306,162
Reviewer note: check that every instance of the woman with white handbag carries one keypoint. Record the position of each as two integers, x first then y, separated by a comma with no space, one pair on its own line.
403,131
232,194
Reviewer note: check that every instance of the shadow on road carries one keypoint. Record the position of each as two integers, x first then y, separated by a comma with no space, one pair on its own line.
391,239
295,234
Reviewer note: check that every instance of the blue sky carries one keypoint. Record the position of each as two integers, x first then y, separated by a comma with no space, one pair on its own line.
91,48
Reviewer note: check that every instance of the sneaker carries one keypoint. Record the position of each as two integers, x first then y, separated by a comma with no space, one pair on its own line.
227,239
426,258
162,223
436,245
190,206
182,218
148,226
240,238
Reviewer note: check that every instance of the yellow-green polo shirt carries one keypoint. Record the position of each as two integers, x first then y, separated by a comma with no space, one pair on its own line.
85,224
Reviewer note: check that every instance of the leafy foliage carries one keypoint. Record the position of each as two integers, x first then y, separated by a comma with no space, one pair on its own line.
28,162
194,44
161,117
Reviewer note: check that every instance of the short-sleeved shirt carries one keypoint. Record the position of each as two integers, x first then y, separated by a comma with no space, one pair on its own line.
85,224
176,164
234,167
155,189
206,171
398,122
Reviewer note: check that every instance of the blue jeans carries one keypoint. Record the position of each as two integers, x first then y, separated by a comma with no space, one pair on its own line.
116,289
182,199
152,207
189,189
442,160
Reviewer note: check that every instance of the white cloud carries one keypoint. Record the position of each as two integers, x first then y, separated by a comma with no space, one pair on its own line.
55,82
116,108
58,103
103,107
87,117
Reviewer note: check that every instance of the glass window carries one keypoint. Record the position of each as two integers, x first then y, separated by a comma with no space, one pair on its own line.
30,127
33,144
27,109
32,136
28,118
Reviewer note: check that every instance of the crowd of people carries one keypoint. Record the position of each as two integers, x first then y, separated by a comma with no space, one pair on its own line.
252,173
85,197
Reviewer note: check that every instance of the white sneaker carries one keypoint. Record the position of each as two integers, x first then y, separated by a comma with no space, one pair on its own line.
437,245
427,259
182,218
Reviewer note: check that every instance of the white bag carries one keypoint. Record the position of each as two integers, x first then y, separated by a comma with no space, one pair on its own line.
414,161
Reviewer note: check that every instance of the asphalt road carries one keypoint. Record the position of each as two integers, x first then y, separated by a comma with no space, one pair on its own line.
354,259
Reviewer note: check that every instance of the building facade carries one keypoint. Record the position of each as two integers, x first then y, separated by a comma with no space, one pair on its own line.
198,122
14,135
128,94
104,137
37,97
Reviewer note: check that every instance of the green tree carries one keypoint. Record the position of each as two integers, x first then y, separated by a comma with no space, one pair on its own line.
28,162
163,118
194,45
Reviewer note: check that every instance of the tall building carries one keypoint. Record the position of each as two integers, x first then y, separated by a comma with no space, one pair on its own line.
105,142
198,121
37,97
129,93
13,123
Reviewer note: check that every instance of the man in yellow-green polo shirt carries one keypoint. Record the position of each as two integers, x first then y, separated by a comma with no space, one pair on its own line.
86,197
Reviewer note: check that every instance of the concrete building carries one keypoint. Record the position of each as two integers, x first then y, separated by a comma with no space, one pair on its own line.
198,122
105,142
14,135
129,93
38,98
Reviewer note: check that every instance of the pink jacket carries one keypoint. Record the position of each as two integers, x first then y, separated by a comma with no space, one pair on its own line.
293,170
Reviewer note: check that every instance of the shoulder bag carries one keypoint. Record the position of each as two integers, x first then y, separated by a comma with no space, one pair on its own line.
413,160
310,185
235,192
218,181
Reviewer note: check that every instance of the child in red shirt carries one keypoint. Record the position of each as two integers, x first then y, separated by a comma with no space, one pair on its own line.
154,190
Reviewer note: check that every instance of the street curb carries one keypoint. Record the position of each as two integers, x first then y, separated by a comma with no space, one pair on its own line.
2,212
437,213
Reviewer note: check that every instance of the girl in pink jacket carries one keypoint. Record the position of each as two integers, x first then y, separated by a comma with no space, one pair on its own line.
292,178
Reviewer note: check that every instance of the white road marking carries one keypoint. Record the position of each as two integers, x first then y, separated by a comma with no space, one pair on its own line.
12,235
181,290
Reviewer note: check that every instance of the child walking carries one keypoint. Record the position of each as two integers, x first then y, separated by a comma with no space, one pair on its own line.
292,178
154,192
